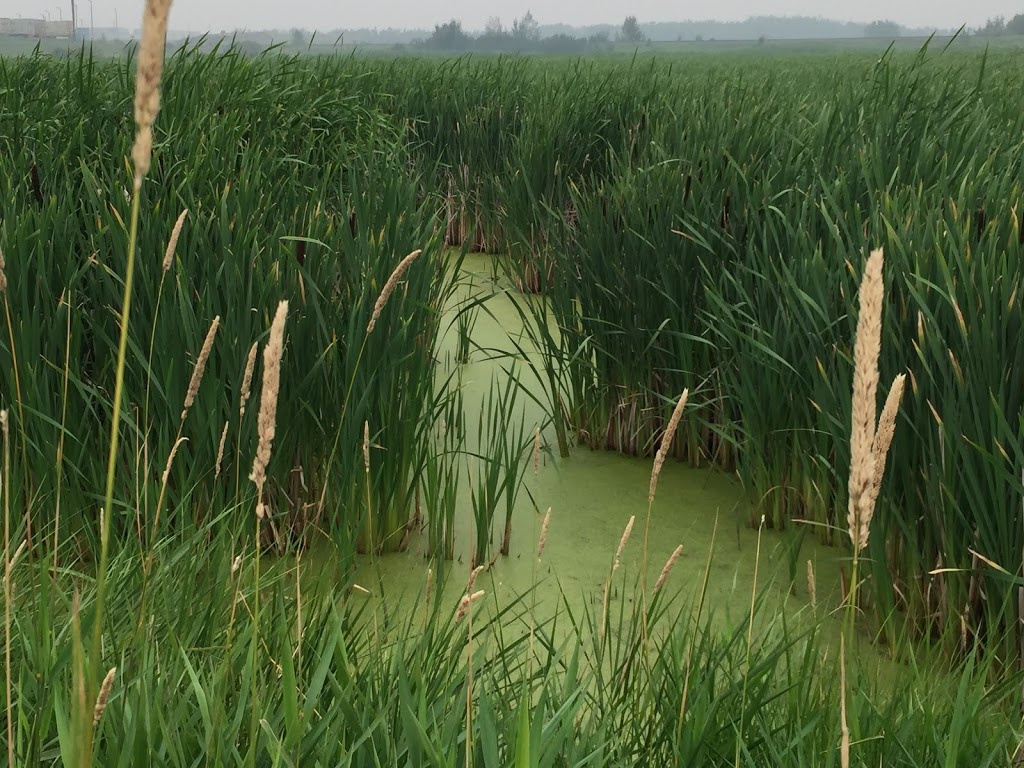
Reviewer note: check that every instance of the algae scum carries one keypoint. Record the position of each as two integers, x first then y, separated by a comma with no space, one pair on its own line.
592,495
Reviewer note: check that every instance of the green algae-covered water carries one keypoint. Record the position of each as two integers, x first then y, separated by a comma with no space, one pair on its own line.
592,496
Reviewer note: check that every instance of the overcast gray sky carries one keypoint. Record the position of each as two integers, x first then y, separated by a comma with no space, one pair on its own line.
331,14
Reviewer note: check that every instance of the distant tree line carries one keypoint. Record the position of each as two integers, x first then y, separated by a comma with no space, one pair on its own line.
999,26
523,36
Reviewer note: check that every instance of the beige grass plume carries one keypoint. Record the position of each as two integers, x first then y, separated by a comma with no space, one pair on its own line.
104,694
3,272
472,577
250,365
220,450
197,372
389,288
147,83
666,444
884,435
865,385
622,542
543,533
170,459
466,603
667,569
172,244
267,422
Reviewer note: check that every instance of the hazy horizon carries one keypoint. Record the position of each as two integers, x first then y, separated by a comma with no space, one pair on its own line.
202,15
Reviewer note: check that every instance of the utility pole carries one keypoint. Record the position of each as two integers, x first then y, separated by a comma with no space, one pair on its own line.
74,21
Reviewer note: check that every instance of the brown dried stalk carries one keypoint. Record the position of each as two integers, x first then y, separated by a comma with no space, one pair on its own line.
197,372
389,288
267,421
366,446
811,588
666,443
147,83
865,384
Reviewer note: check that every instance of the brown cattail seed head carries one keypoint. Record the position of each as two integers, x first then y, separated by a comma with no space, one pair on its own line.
666,443
267,422
865,385
173,242
389,288
147,83
197,372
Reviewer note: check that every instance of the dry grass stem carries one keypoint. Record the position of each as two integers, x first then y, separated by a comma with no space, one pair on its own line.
666,443
366,446
543,533
104,694
667,569
466,603
844,746
197,372
250,365
147,83
865,385
220,450
536,451
267,421
430,584
172,244
389,288
3,272
622,542
811,588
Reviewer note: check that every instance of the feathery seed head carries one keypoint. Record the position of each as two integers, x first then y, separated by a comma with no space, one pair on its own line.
267,421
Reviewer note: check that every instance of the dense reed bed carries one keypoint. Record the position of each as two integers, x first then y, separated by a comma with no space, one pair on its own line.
241,305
